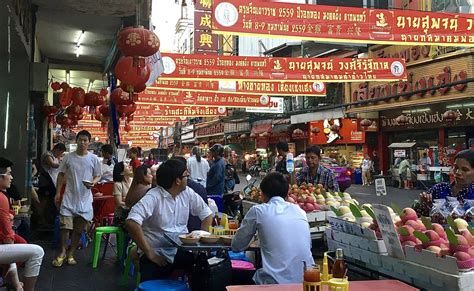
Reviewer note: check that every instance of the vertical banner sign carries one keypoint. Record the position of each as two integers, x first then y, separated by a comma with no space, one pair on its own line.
341,24
204,40
389,233
212,68
380,188
245,87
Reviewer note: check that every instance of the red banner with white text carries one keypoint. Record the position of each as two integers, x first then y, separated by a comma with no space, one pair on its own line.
179,111
341,24
245,87
208,67
211,99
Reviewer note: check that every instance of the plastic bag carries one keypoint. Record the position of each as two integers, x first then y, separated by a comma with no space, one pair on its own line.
439,212
469,207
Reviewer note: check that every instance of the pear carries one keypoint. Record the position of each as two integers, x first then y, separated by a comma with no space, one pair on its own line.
344,209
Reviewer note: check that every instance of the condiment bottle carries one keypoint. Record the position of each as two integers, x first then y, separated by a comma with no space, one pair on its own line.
339,267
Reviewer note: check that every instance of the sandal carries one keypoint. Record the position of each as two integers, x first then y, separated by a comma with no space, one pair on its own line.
71,261
59,261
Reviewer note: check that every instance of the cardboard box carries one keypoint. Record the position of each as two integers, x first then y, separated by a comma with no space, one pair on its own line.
446,264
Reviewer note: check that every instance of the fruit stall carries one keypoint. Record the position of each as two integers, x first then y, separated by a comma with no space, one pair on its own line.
313,199
400,244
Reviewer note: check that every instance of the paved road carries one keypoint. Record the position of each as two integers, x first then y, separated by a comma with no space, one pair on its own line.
366,194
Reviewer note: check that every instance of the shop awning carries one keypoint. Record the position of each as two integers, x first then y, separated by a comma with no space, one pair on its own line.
262,126
319,115
280,128
402,145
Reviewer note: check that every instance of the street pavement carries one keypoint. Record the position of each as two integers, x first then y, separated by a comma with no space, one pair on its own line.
365,194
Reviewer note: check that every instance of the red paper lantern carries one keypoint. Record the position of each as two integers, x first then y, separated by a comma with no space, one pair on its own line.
130,75
297,131
78,96
450,116
103,92
127,127
76,116
138,41
136,89
65,98
75,109
120,97
64,85
104,110
93,99
55,86
130,118
127,109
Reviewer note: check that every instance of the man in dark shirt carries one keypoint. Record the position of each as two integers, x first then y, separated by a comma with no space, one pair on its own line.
216,175
282,149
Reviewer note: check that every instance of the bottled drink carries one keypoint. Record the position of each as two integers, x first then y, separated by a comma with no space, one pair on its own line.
290,163
215,220
339,267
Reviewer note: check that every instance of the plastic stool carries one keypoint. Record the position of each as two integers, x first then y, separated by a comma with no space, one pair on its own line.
163,285
129,269
242,265
238,256
99,231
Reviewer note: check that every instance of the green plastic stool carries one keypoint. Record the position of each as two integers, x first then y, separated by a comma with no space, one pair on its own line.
99,231
126,270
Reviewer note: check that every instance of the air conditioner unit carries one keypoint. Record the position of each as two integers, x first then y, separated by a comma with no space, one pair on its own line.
39,77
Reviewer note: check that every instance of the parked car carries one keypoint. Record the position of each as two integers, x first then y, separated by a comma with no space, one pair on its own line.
343,174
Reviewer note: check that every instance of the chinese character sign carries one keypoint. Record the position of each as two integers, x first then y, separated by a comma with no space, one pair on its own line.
342,24
207,67
205,40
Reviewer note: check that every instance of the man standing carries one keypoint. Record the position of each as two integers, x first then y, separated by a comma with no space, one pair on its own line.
198,167
277,224
216,175
165,208
282,150
50,164
81,171
316,173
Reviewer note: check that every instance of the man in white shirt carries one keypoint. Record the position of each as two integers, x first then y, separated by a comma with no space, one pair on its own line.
198,167
81,171
283,232
164,209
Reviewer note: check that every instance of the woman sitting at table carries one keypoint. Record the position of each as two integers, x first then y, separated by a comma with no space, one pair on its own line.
142,180
122,176
463,186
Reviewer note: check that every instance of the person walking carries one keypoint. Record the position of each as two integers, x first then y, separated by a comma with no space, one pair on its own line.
198,167
404,169
367,168
75,209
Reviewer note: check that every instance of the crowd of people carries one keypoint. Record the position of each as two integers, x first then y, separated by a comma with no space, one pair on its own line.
152,200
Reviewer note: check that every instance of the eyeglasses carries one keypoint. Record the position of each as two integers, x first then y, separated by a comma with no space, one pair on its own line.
7,174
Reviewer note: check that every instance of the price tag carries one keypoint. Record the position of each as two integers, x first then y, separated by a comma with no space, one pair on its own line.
380,188
389,233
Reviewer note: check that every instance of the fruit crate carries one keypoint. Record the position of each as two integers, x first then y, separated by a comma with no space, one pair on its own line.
353,228
371,245
426,258
421,276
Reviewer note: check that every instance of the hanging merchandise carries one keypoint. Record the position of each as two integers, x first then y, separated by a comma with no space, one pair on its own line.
138,41
120,97
78,96
92,99
65,98
56,86
132,76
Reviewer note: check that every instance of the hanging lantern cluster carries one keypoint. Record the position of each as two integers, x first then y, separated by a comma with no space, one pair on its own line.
72,103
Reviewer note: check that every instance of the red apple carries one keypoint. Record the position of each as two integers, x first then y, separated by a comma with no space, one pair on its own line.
414,224
439,230
468,236
434,249
408,214
432,235
462,256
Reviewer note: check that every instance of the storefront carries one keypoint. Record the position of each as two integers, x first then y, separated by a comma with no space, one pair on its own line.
209,135
419,110
341,139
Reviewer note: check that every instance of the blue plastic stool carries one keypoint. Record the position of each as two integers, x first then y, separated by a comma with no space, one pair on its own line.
163,285
238,256
84,242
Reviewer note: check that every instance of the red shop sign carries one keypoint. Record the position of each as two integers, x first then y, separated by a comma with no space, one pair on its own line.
211,99
211,130
245,87
211,68
179,111
348,132
342,24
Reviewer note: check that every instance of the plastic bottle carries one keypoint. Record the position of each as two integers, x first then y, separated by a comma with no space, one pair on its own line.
290,163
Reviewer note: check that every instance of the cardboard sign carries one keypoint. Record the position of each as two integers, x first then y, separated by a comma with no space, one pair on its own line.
323,23
380,188
389,233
